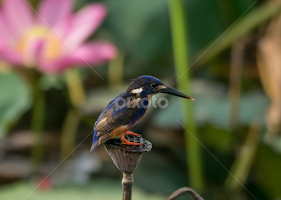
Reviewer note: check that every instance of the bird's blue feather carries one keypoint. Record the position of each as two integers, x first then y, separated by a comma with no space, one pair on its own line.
95,142
138,117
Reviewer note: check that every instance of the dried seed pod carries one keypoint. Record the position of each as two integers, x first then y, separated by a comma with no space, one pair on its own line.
125,157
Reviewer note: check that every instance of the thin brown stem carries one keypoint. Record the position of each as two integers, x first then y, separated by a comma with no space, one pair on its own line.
244,160
236,68
69,130
183,191
127,184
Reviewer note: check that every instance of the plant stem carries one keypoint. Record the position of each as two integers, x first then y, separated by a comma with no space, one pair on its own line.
68,135
72,119
242,164
235,78
37,124
182,191
127,184
115,71
75,87
181,64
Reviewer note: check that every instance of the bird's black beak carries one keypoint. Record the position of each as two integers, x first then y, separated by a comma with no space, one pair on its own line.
168,90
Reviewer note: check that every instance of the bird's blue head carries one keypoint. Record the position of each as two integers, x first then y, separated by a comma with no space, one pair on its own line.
148,85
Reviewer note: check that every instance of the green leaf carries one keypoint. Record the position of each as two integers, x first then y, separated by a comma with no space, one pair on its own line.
15,99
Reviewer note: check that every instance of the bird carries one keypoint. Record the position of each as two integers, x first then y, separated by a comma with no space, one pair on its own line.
127,109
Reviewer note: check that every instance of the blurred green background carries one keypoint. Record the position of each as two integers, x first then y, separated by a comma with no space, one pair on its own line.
233,50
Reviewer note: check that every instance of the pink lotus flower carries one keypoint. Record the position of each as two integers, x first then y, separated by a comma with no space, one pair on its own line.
51,39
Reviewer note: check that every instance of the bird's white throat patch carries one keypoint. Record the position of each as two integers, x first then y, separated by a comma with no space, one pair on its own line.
137,91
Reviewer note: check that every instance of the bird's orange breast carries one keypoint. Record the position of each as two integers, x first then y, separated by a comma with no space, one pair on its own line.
118,132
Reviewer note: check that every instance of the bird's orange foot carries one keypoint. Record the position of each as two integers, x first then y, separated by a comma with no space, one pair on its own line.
132,133
127,142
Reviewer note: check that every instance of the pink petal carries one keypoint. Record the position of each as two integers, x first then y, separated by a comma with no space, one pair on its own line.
17,15
55,13
9,55
89,54
95,53
5,36
85,22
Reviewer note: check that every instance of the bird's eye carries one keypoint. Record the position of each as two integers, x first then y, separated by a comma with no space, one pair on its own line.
153,85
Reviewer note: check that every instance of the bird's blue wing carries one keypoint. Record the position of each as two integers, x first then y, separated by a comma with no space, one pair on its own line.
116,116
96,137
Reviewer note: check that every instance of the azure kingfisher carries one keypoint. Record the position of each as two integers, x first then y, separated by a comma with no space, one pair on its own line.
127,109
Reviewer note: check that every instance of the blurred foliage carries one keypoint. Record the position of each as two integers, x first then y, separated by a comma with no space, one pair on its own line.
50,81
267,165
15,99
245,25
212,106
100,189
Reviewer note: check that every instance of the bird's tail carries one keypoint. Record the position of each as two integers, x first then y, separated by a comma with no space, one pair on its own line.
95,142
